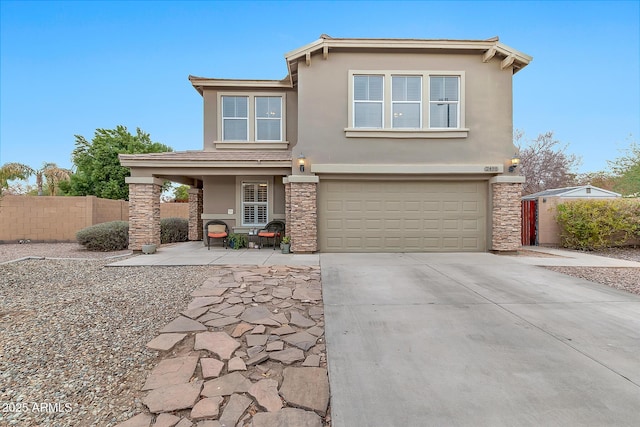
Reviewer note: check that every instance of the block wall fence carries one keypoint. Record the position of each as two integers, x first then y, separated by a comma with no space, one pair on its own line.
57,219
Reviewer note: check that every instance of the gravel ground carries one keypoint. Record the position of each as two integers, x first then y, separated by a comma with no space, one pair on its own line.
626,279
73,332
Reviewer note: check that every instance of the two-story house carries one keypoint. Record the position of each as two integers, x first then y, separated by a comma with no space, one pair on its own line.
368,145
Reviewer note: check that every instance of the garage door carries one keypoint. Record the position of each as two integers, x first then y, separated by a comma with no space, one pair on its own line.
402,216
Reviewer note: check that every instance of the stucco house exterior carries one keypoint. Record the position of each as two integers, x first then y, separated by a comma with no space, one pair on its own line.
367,145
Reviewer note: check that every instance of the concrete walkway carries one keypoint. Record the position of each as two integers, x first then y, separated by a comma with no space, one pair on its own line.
195,253
564,258
478,339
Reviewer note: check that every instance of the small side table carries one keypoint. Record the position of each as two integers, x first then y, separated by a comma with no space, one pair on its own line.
252,236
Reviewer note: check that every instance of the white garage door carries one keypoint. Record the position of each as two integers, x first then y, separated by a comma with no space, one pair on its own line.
402,216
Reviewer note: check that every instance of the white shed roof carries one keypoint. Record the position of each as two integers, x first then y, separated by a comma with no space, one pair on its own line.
582,192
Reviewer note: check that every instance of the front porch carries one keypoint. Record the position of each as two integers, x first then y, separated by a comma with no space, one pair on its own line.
194,253
244,189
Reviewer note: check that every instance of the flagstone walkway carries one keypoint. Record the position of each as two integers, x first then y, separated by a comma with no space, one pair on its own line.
247,351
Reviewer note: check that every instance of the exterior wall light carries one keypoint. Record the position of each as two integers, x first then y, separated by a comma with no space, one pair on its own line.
515,161
301,160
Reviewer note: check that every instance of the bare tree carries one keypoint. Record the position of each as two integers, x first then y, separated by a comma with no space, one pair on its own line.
545,163
600,179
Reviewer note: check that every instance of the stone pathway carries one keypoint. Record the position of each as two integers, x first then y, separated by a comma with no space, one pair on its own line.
247,351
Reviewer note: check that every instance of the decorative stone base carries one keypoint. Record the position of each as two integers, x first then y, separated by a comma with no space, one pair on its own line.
195,214
301,213
506,216
144,212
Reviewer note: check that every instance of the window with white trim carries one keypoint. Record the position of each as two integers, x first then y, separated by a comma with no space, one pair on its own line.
406,104
251,120
255,203
368,101
406,101
444,101
268,118
235,118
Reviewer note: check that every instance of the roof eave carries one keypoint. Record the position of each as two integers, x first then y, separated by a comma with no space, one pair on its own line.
520,59
199,83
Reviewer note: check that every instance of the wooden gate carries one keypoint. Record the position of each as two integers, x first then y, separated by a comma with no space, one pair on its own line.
529,223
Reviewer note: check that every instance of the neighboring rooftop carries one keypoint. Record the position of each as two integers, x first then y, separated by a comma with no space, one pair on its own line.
583,191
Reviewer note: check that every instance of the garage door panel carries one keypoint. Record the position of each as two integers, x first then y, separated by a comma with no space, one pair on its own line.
470,243
451,206
470,206
431,224
452,243
354,206
412,206
373,224
398,216
470,225
431,206
353,224
335,205
450,224
412,225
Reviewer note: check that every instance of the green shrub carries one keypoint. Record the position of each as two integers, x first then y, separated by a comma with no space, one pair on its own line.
238,240
595,224
108,236
174,230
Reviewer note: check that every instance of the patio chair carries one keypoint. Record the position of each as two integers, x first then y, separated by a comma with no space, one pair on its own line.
217,229
272,230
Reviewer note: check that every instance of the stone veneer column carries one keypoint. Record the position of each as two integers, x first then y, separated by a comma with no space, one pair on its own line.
303,213
287,207
506,214
195,214
144,211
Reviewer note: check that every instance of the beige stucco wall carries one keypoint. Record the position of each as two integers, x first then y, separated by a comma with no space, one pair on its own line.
219,195
278,196
548,228
57,219
323,116
222,193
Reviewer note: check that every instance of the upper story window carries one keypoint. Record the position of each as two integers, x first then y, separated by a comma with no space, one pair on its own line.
406,101
406,104
268,118
368,101
235,118
251,120
444,101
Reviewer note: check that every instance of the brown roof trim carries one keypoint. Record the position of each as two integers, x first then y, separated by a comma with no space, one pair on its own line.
489,47
199,83
208,159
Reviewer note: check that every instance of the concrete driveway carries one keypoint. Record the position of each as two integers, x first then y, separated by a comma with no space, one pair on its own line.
476,339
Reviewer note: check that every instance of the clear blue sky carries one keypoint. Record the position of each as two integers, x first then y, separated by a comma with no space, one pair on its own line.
68,68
